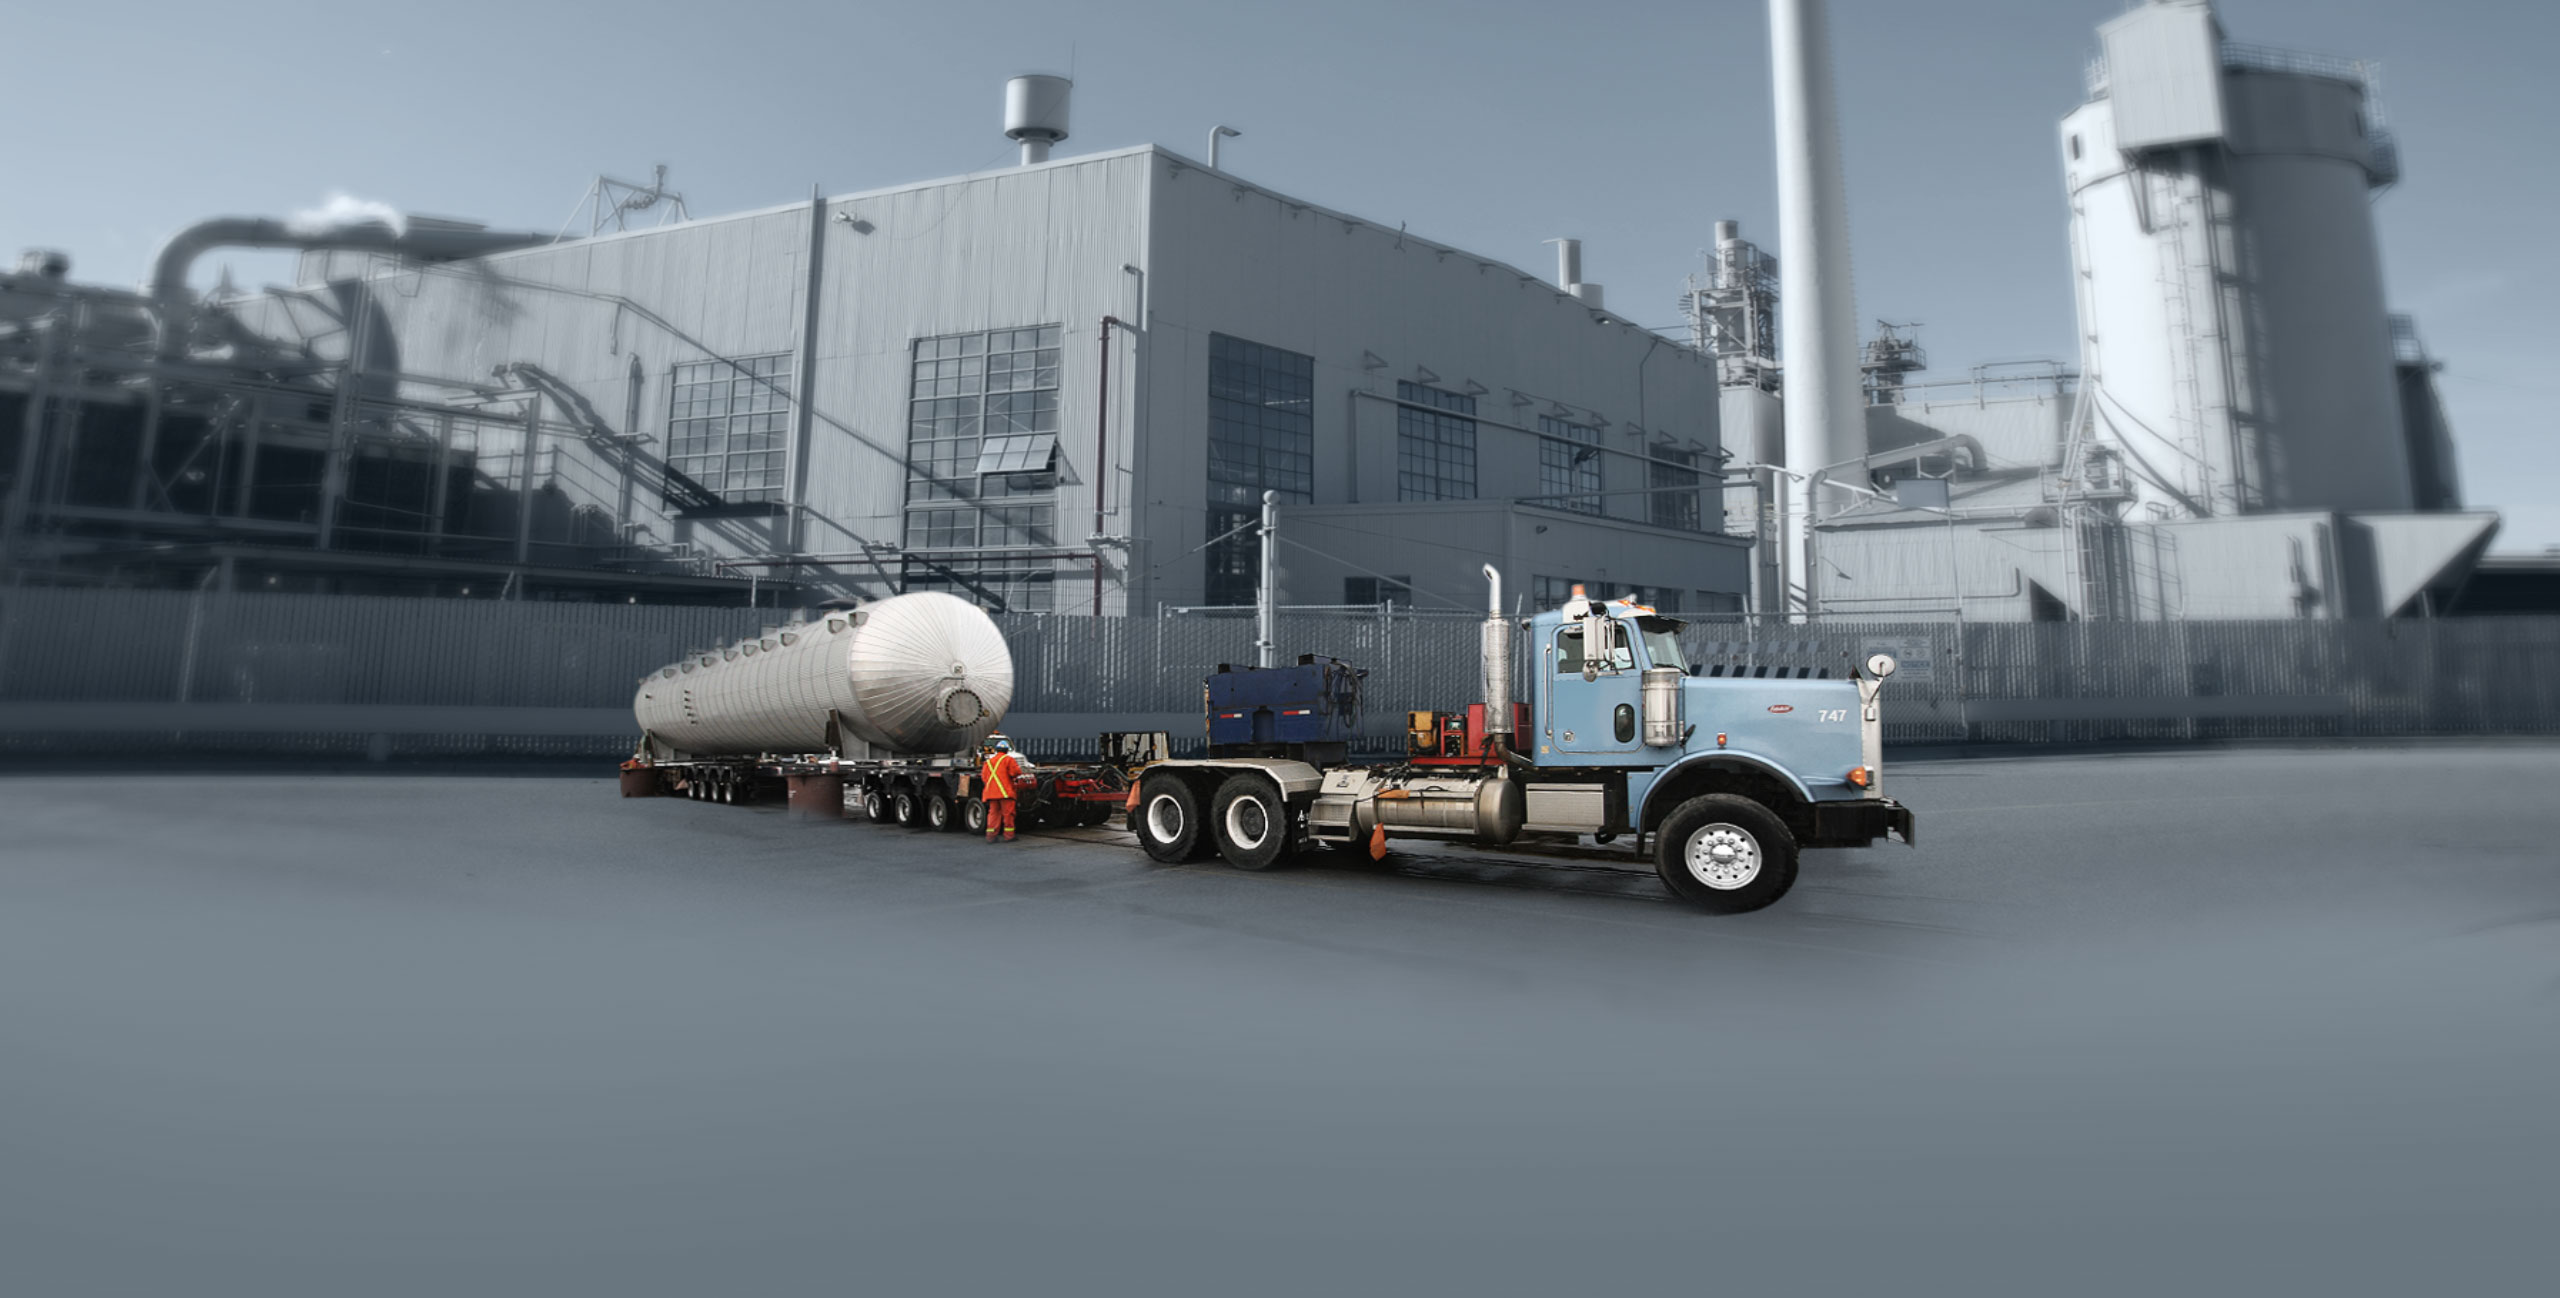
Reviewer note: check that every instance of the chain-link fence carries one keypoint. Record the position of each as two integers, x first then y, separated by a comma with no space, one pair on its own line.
90,670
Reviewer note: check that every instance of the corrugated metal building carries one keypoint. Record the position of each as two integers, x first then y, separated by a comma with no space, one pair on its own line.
1058,385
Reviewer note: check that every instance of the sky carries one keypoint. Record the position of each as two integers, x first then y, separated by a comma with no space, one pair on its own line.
1491,125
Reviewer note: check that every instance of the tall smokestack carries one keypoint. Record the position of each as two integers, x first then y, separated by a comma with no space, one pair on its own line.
1826,422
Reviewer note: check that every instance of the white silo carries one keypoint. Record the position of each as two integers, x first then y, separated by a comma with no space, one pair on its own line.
2233,327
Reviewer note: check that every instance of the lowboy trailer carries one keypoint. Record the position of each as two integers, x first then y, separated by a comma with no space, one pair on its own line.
931,793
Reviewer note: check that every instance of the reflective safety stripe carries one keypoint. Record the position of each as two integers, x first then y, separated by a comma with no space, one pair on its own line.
999,774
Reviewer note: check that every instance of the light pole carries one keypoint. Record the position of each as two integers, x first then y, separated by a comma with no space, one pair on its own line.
1266,595
1215,135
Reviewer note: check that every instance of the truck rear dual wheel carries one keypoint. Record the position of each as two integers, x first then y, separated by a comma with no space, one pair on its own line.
1725,853
1251,822
1169,820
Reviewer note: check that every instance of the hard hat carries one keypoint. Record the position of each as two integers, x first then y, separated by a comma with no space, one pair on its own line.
1003,745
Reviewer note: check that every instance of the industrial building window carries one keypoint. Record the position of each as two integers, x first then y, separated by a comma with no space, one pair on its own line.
727,425
982,447
1672,469
1661,599
1377,590
1435,444
1568,462
1552,592
1261,438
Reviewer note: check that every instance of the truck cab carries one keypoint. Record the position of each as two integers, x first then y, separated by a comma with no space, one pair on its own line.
1613,698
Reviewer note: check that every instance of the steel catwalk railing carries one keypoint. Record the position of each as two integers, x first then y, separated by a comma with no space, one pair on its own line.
1963,681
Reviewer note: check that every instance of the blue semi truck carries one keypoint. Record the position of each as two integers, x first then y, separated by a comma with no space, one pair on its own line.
1723,779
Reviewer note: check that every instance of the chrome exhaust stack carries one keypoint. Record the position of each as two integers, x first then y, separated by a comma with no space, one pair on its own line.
1497,659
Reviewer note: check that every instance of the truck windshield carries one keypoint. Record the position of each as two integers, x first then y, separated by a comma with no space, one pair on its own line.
1662,642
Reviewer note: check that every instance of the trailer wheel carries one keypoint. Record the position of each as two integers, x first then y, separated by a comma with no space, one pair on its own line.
938,811
1725,853
727,788
1251,822
974,816
1169,820
875,805
906,808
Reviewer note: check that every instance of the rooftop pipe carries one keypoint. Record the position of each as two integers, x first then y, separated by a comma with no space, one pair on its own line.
420,242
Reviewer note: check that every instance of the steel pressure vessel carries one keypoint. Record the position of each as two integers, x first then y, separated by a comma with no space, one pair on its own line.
912,674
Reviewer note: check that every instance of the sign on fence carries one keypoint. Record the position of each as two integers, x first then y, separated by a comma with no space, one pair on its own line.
1914,657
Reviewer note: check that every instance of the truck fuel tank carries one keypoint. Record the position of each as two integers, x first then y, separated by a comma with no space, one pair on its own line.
1486,807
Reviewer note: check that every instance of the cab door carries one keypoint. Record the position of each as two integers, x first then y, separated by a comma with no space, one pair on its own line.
1595,718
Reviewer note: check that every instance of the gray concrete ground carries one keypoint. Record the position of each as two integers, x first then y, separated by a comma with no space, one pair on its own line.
2267,1020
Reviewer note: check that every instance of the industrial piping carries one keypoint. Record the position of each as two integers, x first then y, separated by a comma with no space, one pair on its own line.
1101,460
423,243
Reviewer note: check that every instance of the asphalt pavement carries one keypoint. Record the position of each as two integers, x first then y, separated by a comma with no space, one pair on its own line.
2263,1019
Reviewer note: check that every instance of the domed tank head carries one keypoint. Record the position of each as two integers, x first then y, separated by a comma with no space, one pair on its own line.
929,673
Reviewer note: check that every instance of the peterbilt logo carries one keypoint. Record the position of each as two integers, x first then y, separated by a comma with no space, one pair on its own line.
1782,707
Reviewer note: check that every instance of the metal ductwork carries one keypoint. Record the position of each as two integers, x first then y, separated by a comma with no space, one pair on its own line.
1918,451
421,241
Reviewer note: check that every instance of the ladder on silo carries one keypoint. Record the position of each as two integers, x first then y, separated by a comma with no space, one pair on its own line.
2187,418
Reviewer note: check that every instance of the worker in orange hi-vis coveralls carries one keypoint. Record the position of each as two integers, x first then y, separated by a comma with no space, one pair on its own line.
998,774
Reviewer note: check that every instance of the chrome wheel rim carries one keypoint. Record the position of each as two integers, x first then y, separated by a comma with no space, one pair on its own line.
1723,857
1248,823
1164,818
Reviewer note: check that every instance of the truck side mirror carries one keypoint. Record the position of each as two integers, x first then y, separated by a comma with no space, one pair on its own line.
1590,671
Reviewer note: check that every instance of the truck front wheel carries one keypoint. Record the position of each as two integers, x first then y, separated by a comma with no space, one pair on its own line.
1726,854
1169,820
1251,822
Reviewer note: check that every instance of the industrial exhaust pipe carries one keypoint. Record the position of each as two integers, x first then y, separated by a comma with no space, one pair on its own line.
1497,659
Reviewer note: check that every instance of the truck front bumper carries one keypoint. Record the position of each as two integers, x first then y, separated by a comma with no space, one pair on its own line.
1857,822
